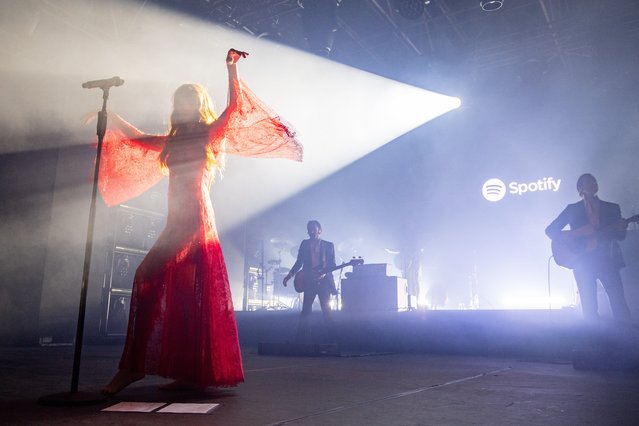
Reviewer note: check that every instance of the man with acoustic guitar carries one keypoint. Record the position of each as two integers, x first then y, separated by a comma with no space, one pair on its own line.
314,259
591,249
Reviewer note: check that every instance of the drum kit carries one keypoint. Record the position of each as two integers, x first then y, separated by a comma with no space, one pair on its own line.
267,288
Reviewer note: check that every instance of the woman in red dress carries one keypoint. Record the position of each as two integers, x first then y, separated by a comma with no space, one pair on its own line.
181,323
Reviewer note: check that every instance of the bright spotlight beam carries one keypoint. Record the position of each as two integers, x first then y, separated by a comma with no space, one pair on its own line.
341,113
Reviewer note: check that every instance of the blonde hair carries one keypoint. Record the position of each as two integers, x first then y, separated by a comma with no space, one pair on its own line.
206,117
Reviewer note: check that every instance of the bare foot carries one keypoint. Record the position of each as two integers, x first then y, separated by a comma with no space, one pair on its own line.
180,385
122,379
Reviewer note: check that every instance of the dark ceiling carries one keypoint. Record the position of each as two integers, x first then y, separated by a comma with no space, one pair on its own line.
399,37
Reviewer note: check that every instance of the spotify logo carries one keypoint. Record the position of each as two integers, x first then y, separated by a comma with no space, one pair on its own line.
494,189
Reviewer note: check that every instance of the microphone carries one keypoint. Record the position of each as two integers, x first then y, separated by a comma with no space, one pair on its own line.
103,84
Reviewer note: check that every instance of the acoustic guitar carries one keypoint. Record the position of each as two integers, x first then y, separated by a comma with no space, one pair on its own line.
571,245
306,279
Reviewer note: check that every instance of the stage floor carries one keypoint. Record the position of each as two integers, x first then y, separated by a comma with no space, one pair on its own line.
437,368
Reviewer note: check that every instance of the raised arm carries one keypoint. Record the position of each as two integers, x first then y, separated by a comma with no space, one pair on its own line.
248,127
235,87
232,57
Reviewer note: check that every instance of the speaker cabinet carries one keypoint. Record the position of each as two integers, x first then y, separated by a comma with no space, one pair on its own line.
123,266
135,231
137,228
374,293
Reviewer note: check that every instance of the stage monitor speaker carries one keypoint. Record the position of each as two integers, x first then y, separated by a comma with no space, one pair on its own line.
373,293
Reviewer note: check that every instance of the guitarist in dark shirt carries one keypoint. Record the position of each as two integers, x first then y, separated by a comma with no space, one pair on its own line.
591,249
314,256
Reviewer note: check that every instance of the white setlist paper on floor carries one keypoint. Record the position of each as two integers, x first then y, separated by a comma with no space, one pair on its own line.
136,407
162,407
188,408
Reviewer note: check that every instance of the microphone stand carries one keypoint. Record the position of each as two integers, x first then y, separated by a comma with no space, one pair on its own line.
74,397
264,272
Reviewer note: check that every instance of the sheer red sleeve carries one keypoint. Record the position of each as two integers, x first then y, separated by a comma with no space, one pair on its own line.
252,129
128,166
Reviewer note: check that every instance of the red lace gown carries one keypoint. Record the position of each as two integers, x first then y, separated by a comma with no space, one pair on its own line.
182,323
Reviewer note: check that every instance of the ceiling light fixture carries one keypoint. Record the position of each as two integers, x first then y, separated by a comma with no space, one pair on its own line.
491,5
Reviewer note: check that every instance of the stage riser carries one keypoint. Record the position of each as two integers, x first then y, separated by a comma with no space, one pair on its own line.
524,334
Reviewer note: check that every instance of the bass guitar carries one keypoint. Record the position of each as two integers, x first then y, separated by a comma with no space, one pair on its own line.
571,245
305,279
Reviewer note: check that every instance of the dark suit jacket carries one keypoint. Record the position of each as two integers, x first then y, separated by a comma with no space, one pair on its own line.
575,216
327,259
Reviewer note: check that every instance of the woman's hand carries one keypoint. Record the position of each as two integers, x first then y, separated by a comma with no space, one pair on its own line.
233,56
